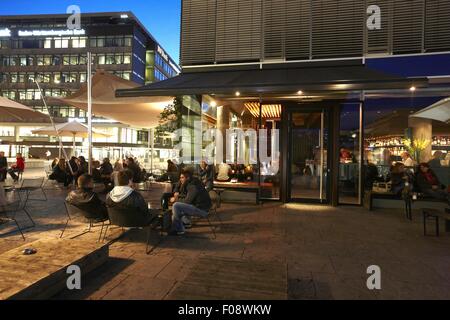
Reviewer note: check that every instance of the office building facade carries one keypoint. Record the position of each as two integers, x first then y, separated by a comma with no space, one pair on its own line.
42,48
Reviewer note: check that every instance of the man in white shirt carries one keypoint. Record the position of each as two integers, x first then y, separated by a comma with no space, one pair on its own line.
223,172
407,160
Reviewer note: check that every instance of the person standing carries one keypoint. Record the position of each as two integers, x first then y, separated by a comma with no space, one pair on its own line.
407,160
18,167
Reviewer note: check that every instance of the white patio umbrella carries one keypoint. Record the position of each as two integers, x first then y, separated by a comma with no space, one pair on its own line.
13,110
72,129
440,111
139,112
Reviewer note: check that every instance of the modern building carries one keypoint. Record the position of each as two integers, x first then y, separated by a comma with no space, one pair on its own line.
336,84
41,47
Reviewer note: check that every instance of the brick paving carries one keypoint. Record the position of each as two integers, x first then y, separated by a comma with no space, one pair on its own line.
323,252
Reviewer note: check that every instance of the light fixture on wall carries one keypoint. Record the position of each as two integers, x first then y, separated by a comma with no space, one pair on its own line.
300,92
213,104
413,89
237,93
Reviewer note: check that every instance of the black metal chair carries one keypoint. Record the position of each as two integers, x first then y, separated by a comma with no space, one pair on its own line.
8,213
92,217
132,218
29,186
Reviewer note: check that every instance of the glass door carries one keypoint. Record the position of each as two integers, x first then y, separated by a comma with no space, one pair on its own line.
308,156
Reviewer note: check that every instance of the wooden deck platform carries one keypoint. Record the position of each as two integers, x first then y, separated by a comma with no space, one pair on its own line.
42,275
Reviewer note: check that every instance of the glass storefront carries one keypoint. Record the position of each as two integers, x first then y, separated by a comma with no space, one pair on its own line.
335,151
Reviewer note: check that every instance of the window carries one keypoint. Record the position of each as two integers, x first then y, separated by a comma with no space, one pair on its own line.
23,61
93,42
48,43
58,43
31,77
78,42
118,58
100,42
65,43
47,77
110,59
30,61
22,95
40,60
83,59
73,60
101,59
73,77
128,41
82,77
56,60
57,78
66,60
47,60
65,77
14,78
22,77
127,59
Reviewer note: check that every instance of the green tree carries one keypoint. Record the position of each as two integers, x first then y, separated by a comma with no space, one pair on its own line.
171,118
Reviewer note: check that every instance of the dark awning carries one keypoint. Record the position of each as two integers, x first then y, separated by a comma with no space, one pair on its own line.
273,80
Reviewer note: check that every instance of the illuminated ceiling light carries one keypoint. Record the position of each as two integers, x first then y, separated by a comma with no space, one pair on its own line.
237,93
412,89
213,104
300,92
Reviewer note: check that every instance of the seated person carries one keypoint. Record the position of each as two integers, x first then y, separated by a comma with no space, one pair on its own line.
429,184
224,171
106,169
86,199
59,173
399,176
436,161
3,166
134,168
19,166
207,175
72,168
96,171
124,197
195,203
54,163
83,166
371,175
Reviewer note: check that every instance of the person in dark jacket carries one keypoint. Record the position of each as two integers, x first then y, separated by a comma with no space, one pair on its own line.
135,170
430,185
72,169
207,175
123,197
83,166
196,202
86,199
106,170
399,176
59,173
3,166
